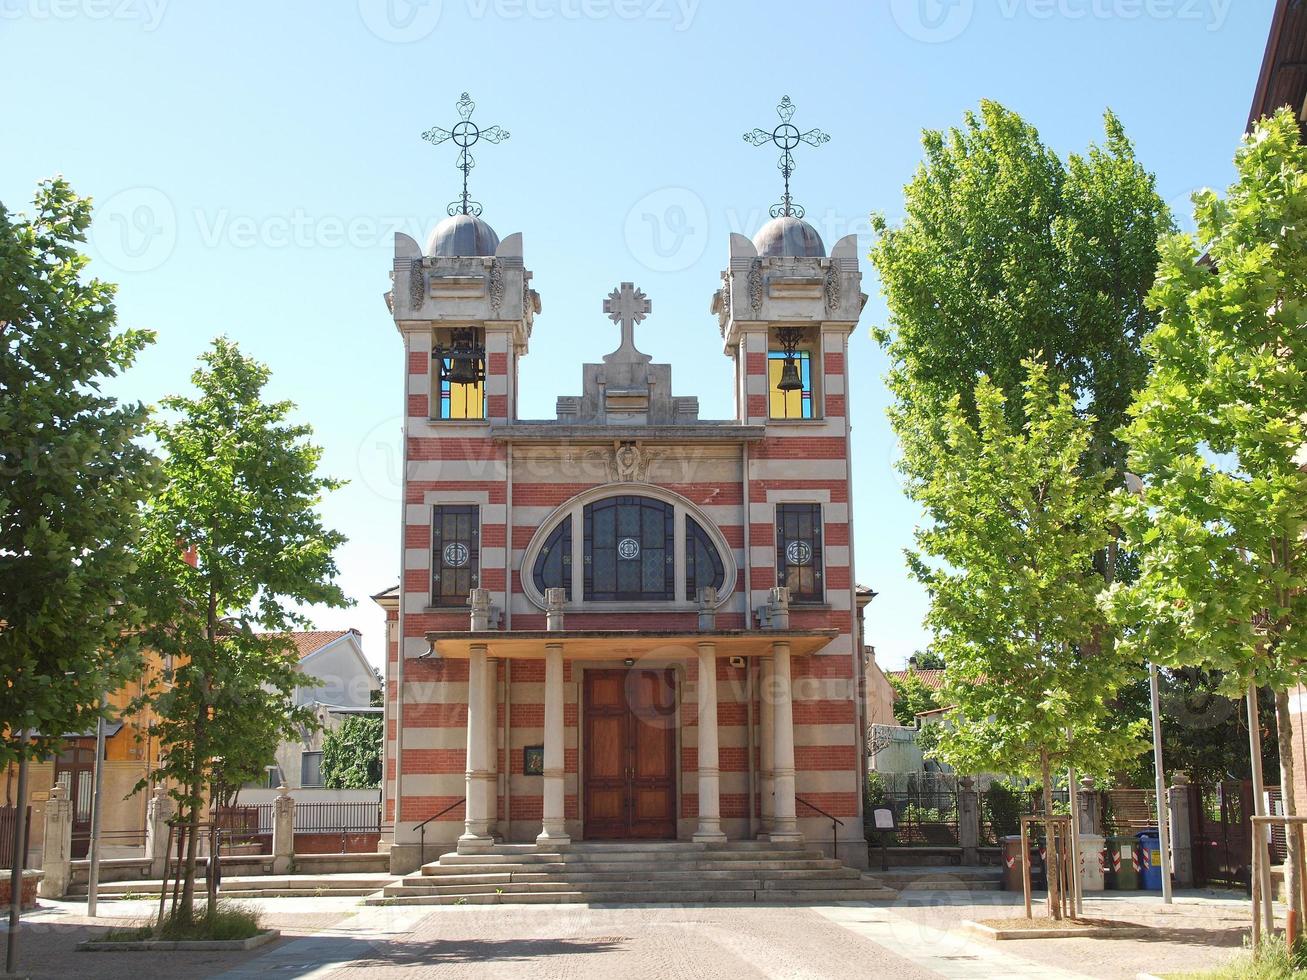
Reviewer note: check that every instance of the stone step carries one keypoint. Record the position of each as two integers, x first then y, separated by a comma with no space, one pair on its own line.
707,863
671,897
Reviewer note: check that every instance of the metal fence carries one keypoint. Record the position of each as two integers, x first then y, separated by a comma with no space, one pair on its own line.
246,824
925,808
8,825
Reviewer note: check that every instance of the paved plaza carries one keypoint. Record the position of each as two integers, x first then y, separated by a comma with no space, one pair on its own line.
916,937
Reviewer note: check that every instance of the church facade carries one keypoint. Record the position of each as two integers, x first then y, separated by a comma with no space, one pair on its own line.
624,622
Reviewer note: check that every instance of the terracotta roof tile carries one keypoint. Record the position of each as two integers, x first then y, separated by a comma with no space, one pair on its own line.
933,679
311,641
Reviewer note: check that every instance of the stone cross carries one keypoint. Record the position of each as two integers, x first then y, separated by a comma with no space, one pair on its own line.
628,306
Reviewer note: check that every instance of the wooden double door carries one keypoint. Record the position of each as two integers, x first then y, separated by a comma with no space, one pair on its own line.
630,754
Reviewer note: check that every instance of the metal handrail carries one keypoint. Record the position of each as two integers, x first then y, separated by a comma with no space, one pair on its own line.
834,833
422,828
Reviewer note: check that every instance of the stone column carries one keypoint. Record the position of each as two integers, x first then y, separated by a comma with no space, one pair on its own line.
1089,815
553,833
1182,848
785,825
555,600
766,743
57,849
157,814
479,601
476,826
490,717
283,832
710,813
707,600
969,821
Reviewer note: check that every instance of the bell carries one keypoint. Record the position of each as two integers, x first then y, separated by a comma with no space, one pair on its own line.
463,370
790,380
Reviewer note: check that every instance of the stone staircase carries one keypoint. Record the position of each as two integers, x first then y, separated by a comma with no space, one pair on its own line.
943,879
630,872
261,886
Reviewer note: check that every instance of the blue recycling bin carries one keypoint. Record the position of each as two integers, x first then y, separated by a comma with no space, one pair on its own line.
1150,859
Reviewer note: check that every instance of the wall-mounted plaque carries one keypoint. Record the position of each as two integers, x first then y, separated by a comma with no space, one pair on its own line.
533,760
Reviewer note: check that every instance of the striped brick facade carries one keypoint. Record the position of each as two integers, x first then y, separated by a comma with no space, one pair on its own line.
524,478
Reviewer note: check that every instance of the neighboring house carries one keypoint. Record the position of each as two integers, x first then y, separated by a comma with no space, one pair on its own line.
610,519
346,682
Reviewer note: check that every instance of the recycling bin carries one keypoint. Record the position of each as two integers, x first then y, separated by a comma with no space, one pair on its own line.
1121,868
1150,860
1093,862
1012,870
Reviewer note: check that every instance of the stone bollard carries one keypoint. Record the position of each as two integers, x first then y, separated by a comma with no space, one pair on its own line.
555,600
779,608
283,832
969,821
479,600
57,850
1180,800
157,814
707,608
1089,807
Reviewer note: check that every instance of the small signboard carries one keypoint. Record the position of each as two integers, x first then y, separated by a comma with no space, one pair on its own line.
533,760
884,818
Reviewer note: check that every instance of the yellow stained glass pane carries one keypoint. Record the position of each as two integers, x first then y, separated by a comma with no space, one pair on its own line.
466,402
783,404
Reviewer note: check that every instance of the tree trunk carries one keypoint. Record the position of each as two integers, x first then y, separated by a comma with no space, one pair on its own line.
1051,860
1292,881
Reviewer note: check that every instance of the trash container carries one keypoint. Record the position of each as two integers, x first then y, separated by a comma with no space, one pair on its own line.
1092,862
1150,860
1012,871
1121,869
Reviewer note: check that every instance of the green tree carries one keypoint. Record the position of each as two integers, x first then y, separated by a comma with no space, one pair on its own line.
911,697
1007,253
1008,563
74,477
239,501
927,660
1218,435
351,754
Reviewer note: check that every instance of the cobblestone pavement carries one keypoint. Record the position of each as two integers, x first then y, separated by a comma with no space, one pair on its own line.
918,936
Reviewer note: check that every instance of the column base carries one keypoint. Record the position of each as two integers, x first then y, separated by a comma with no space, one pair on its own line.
474,844
785,837
709,837
552,841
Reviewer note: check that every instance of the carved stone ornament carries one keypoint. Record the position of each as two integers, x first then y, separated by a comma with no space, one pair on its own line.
530,305
832,288
625,463
496,285
417,285
724,307
755,286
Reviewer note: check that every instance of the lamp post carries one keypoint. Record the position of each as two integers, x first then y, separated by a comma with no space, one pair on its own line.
97,796
20,856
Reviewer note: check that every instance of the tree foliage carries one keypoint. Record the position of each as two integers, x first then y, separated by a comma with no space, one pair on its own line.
1007,253
911,697
351,754
239,499
1008,564
1217,438
74,477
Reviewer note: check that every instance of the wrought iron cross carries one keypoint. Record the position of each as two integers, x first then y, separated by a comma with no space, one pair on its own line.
786,136
628,306
465,135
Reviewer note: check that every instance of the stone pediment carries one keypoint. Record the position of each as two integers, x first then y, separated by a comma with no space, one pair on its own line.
627,388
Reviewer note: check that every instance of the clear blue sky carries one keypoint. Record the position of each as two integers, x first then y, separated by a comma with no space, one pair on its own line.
252,160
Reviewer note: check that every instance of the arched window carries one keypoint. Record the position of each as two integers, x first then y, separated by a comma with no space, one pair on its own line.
703,565
553,566
629,550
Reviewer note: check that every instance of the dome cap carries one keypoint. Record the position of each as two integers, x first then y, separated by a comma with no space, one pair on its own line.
788,235
462,235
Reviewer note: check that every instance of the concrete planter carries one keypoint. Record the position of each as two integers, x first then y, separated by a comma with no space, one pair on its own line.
190,946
